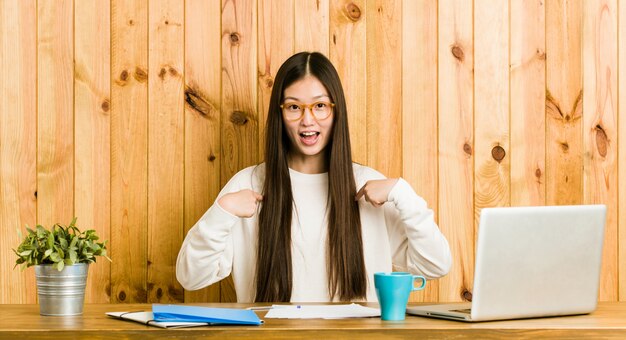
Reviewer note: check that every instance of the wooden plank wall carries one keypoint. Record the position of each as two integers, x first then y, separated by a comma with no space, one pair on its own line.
129,150
455,114
18,144
92,125
131,115
600,126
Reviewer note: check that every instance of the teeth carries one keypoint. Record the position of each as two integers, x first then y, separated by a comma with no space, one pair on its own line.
308,134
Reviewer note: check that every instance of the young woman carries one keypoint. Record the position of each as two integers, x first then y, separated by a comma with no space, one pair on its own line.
295,228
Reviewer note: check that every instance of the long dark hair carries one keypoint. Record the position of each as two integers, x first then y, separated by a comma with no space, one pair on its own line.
345,264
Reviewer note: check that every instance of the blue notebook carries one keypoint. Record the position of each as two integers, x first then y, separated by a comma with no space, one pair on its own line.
183,313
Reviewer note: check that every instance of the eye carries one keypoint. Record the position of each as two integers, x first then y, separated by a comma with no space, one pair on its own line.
321,105
293,107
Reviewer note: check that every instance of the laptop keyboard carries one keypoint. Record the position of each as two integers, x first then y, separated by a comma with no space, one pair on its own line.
466,310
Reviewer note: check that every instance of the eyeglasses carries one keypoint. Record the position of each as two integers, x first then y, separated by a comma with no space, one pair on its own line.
295,111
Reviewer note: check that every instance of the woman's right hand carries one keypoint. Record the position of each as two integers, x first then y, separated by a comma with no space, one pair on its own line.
241,203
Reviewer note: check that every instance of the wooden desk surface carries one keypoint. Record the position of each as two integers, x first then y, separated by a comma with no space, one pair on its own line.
24,322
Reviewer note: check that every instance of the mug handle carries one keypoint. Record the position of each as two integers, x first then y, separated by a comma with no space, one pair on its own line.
416,277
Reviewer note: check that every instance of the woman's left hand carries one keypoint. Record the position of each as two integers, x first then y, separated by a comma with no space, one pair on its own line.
376,192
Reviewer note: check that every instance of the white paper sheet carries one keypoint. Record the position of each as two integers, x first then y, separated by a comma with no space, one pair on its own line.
321,312
147,318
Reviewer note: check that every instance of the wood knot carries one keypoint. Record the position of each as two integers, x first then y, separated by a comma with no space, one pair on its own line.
552,107
602,141
162,73
35,194
541,55
577,111
196,101
234,38
458,53
173,72
175,294
238,118
167,22
269,82
334,39
538,173
498,153
124,76
140,75
467,149
564,146
466,295
380,9
121,296
131,22
211,157
141,294
106,105
159,293
123,79
353,11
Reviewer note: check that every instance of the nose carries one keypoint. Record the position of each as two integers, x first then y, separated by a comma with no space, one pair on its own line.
307,117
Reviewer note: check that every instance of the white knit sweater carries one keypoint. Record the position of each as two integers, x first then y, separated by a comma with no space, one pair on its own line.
401,235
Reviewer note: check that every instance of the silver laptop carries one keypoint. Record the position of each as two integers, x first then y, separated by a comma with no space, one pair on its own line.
532,262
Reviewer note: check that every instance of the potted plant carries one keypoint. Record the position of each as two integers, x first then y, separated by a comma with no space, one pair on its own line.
61,256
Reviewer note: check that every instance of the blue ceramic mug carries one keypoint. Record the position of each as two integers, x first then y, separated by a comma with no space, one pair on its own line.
393,290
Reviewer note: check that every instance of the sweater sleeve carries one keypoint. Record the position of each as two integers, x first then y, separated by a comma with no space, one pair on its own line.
206,255
417,244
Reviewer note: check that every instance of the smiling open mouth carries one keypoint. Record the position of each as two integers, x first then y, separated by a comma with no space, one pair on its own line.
309,137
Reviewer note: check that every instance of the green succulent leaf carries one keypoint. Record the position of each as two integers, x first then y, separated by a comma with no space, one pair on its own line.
55,257
63,242
74,241
60,251
50,240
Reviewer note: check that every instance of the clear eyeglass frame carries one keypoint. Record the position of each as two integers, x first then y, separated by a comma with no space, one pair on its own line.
319,115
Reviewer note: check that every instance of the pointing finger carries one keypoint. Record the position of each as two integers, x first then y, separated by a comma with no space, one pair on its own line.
360,194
